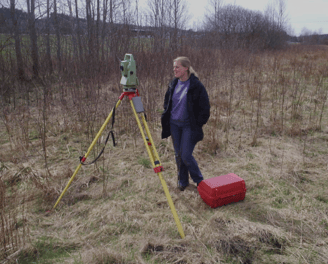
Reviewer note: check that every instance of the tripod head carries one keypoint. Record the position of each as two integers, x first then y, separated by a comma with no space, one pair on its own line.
129,73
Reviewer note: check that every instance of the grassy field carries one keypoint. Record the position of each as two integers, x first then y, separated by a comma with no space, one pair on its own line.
268,124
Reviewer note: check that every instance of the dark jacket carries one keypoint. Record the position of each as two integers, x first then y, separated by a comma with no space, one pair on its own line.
198,107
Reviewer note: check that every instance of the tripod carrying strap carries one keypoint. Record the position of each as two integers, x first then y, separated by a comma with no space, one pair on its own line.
111,132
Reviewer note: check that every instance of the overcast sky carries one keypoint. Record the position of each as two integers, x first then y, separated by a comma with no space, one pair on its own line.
310,14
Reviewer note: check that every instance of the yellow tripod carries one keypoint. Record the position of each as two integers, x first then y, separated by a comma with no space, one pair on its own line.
137,108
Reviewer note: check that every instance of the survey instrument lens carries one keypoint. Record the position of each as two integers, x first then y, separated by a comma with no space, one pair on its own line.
129,73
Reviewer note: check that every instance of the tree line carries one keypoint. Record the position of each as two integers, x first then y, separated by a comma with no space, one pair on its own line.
88,37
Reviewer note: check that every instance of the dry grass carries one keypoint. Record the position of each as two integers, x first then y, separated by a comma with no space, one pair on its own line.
265,126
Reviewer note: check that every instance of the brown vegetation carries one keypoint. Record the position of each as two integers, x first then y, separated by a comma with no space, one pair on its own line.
268,125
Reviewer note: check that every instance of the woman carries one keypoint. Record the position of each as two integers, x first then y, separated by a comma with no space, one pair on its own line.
186,110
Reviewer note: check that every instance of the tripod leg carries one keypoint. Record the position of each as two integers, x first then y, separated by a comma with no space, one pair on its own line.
154,158
88,152
143,135
150,137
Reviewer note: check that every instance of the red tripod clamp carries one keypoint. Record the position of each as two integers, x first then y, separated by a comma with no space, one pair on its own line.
129,94
158,169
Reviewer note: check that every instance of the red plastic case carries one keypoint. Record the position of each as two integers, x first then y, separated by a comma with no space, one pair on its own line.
222,190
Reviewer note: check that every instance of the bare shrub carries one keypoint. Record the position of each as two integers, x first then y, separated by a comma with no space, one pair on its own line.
14,230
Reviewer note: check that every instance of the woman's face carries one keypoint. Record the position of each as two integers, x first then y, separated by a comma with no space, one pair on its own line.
180,71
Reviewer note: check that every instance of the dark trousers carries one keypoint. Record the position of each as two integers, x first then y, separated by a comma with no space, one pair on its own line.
184,146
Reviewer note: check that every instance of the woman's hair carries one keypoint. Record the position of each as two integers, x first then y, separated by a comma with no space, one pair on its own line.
185,62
